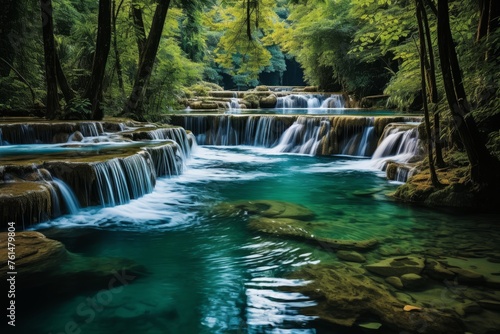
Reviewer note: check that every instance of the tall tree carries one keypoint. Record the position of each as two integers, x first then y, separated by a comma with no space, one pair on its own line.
424,71
103,44
479,157
50,57
133,105
118,64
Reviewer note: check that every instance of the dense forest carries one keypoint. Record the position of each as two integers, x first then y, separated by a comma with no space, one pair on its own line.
87,60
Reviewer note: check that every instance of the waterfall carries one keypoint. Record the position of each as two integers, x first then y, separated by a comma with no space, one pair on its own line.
229,130
303,136
234,104
166,160
402,143
334,101
45,133
120,180
91,129
176,134
326,135
399,143
68,196
310,101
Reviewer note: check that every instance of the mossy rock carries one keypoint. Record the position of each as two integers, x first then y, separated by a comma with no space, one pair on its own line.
262,88
251,101
345,296
268,101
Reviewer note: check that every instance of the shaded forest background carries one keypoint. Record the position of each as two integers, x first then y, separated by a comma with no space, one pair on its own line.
362,47
76,59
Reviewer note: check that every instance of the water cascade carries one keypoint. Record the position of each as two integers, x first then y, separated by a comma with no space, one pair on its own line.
47,133
120,180
398,147
310,101
312,135
94,173
175,134
68,196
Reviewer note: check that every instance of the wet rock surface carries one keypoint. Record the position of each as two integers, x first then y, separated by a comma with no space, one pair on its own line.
346,295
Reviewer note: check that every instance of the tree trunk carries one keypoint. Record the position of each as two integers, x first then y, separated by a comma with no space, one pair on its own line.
423,78
49,50
140,32
432,84
489,21
146,65
103,43
479,157
63,82
118,64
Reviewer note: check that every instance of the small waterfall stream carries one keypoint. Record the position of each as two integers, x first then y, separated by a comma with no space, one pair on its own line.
68,196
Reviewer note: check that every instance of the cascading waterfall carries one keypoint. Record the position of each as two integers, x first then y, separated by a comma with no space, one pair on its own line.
303,136
68,196
176,134
361,140
356,136
400,144
310,101
166,160
91,129
45,133
120,180
334,101
229,130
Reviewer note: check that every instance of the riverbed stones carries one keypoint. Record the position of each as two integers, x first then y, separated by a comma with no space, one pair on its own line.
412,281
346,296
397,266
395,282
351,256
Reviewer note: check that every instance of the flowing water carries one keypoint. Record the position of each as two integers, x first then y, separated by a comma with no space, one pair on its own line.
211,274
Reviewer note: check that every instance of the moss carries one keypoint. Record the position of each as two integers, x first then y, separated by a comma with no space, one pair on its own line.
251,100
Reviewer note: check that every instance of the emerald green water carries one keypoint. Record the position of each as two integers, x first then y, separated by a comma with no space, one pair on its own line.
211,274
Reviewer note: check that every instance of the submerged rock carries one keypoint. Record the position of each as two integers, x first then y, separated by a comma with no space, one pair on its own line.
397,266
344,296
301,230
351,256
45,263
266,208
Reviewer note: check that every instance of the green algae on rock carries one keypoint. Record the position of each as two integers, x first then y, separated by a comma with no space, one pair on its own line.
346,295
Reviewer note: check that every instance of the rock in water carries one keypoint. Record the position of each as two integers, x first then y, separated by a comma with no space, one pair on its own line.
397,266
45,263
344,296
